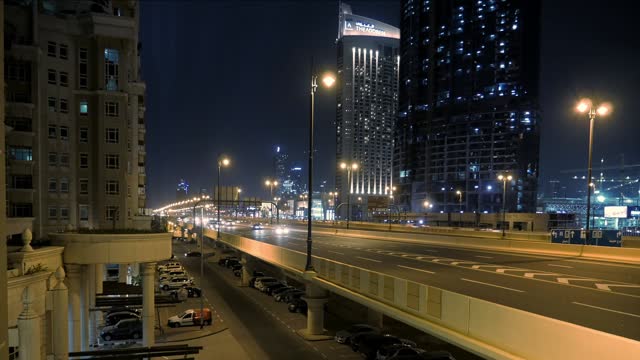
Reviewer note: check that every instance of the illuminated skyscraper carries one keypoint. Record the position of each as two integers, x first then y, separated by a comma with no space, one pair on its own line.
468,106
367,98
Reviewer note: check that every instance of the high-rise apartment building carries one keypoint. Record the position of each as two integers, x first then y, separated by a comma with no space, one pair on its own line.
75,114
280,164
182,190
367,98
468,107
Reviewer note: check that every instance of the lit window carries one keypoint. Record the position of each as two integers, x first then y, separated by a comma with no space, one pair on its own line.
111,63
84,107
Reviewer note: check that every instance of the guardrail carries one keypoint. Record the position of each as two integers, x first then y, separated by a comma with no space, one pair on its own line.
487,329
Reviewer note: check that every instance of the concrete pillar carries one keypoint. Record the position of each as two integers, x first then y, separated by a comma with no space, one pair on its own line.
99,278
84,307
91,288
60,314
75,289
135,272
246,272
315,297
123,270
29,329
148,303
374,318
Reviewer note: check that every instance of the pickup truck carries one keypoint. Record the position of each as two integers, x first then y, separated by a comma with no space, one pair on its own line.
190,317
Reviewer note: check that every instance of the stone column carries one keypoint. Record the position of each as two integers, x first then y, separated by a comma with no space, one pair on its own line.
99,278
246,274
75,289
60,314
315,297
148,303
84,307
123,270
91,289
29,329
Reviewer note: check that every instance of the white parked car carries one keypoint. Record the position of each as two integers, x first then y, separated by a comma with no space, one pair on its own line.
172,274
261,283
175,283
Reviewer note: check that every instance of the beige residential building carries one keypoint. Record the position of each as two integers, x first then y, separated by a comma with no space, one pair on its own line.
75,114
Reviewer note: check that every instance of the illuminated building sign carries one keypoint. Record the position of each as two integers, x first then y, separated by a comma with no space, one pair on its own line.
356,25
615,212
362,27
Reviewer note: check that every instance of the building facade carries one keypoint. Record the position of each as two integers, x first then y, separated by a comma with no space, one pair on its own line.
182,190
75,113
367,98
280,165
468,108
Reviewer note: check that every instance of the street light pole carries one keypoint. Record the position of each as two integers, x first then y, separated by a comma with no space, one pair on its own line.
504,180
459,193
586,106
349,167
222,161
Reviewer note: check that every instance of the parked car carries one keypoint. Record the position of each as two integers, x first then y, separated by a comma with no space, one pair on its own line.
344,336
262,284
281,290
237,270
288,297
298,305
171,264
190,317
191,291
172,274
259,280
116,309
281,297
270,288
175,283
369,344
170,269
257,226
231,262
193,254
123,330
223,261
399,352
256,276
114,317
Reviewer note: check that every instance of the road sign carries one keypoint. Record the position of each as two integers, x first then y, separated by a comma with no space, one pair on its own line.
611,238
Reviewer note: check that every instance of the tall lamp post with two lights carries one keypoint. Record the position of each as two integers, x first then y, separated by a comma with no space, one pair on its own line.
586,106
349,167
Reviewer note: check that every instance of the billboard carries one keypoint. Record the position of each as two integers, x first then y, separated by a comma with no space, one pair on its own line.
615,212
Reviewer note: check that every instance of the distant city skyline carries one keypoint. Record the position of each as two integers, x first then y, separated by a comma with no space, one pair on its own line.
212,119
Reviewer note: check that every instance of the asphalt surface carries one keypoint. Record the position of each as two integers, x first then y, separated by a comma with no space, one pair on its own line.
599,295
261,337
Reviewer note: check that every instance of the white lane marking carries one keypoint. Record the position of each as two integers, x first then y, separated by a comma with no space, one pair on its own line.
605,309
484,257
410,268
498,286
606,286
532,274
476,267
364,258
335,252
566,280
562,266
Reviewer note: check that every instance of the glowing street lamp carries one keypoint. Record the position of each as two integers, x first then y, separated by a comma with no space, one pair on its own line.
349,167
222,161
504,180
586,106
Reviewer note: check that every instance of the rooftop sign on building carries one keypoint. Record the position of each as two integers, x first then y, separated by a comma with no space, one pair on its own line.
356,25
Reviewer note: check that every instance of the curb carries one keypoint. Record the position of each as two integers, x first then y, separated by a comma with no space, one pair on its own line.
195,337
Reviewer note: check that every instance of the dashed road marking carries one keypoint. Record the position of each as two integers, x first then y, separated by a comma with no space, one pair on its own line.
605,309
494,285
410,268
364,258
484,257
336,252
561,266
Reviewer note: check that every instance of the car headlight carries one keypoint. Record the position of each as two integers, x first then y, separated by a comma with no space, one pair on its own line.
278,231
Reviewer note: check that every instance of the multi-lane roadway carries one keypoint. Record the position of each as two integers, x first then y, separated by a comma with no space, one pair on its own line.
596,294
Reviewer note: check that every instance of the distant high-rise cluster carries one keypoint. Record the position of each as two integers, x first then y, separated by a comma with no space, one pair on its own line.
182,190
367,100
468,105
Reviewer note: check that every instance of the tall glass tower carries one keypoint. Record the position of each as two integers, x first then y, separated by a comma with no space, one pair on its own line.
367,98
468,108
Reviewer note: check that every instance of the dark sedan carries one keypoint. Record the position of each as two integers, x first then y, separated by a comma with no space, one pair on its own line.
369,344
269,289
193,254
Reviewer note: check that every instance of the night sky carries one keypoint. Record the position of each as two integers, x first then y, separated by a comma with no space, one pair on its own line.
233,77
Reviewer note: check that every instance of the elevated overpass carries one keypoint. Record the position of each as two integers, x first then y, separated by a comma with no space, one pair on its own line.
510,321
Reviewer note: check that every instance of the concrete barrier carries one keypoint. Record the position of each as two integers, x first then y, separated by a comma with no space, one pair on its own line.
487,329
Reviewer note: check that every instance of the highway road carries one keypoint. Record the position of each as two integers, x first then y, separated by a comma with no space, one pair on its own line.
599,295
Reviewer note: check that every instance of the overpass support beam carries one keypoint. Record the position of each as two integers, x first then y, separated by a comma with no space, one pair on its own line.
247,270
316,297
